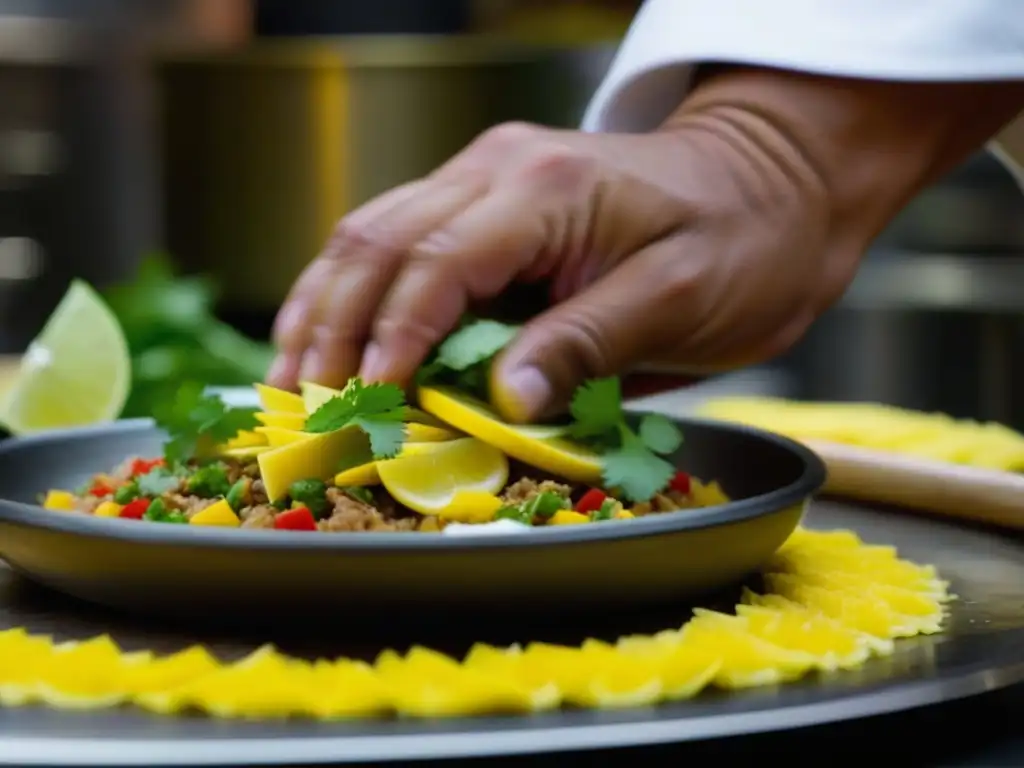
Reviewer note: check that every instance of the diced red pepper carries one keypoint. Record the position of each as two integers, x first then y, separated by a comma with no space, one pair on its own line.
134,510
680,483
591,501
145,466
99,490
297,519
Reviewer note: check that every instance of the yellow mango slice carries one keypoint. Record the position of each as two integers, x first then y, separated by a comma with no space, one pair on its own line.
292,421
279,400
319,457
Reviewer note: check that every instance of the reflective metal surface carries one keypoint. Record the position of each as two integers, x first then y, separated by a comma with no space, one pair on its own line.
982,650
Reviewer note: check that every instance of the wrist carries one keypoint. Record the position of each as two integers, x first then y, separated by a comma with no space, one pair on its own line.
866,147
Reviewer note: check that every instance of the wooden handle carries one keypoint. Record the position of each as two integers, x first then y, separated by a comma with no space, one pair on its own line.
967,493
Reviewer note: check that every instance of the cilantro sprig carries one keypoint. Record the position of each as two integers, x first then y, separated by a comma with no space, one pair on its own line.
377,409
464,358
632,461
196,422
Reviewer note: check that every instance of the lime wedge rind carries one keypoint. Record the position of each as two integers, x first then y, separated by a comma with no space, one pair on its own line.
76,372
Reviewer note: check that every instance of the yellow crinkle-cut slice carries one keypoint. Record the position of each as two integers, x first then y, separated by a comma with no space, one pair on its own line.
830,603
88,675
512,664
22,659
264,684
424,683
746,660
346,689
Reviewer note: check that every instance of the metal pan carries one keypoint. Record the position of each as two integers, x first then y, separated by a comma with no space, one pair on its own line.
211,572
982,649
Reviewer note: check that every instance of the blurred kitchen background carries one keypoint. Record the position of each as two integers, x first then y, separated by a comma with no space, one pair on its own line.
223,138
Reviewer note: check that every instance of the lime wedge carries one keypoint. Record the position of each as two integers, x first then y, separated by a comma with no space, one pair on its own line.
76,372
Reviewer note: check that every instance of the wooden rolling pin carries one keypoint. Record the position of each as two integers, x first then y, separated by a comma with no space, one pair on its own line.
967,493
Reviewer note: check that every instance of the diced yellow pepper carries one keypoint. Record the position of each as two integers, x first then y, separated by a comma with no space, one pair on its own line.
568,517
471,507
219,514
108,509
62,500
624,514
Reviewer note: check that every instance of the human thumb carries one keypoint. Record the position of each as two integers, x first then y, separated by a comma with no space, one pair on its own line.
600,332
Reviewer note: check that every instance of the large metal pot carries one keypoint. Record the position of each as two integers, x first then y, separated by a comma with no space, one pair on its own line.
265,149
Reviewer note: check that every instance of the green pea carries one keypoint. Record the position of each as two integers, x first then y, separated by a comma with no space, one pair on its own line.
238,494
209,481
127,492
545,505
156,512
178,517
606,511
312,494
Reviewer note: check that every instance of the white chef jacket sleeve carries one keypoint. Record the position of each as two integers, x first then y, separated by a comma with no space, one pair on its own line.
909,40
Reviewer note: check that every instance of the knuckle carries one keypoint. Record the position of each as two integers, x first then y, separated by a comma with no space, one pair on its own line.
352,236
558,167
408,329
507,136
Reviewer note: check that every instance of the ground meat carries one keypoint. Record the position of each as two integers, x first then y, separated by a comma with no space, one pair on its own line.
527,488
261,516
663,502
349,514
258,492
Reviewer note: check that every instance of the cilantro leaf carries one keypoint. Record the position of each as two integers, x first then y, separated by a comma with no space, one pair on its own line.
631,461
386,433
476,342
194,422
377,409
157,482
596,409
463,359
659,434
635,470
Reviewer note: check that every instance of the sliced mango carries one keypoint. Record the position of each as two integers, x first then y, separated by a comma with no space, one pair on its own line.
293,421
320,456
274,399
278,436
538,446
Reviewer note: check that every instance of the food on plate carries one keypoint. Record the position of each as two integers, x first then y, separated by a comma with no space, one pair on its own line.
363,459
831,603
880,427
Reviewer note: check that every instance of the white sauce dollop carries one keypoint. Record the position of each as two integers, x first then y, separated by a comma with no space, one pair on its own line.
483,529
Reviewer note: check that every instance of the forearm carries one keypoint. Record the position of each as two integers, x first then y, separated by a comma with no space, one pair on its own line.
869,146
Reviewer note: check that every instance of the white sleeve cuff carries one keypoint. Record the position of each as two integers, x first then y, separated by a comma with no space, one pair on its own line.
912,40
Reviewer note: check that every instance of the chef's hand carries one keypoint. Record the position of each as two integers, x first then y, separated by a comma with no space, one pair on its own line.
712,242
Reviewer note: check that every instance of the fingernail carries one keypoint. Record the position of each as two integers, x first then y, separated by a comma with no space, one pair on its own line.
529,392
309,368
373,363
